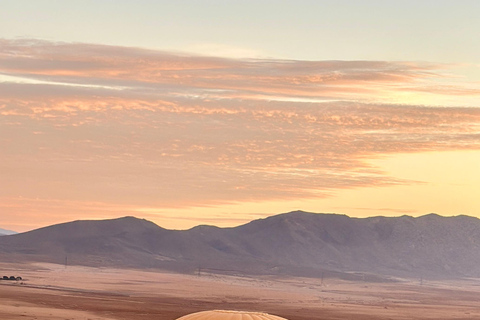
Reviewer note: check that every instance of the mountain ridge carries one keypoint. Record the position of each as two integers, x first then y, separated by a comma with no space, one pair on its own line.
294,243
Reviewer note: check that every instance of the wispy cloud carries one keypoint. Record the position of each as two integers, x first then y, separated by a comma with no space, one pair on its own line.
157,73
157,129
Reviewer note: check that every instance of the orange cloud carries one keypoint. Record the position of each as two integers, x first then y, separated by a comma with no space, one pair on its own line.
157,129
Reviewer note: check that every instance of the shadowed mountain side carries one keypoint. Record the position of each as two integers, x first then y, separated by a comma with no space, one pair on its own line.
104,242
404,246
296,243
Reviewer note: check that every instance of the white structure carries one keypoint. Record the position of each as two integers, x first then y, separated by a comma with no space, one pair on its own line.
229,315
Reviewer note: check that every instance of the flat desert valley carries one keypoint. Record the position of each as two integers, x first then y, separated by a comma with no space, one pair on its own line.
51,291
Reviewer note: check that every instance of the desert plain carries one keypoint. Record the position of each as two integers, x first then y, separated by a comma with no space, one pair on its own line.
54,292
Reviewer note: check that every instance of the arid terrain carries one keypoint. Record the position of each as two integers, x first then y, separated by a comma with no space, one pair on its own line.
50,291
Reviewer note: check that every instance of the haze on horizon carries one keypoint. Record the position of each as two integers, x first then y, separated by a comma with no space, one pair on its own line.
188,113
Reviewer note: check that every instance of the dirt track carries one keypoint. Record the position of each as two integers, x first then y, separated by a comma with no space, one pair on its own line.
55,292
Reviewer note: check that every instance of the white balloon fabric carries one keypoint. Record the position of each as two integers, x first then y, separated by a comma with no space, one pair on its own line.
230,315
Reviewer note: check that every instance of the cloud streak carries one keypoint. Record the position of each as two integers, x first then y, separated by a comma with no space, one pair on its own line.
142,128
156,73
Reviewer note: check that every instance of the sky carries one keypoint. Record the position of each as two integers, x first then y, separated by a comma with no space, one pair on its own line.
221,112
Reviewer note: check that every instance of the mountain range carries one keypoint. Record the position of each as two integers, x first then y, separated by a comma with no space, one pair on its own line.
296,243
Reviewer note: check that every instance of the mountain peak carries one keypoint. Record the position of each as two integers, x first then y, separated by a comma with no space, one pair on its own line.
431,216
95,228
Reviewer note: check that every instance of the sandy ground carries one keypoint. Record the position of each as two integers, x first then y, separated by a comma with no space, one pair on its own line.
54,292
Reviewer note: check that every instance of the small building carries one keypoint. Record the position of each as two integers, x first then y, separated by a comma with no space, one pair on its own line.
11,278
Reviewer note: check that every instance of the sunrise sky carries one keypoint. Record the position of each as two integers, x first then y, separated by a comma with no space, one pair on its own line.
220,112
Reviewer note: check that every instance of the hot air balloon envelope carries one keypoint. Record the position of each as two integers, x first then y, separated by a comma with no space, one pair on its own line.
230,315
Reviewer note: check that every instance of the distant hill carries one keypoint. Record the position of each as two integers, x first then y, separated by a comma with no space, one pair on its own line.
4,232
295,243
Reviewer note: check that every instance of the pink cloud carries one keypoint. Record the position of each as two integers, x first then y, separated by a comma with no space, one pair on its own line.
145,71
173,130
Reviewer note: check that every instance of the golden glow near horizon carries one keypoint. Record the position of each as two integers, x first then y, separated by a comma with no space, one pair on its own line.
92,131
